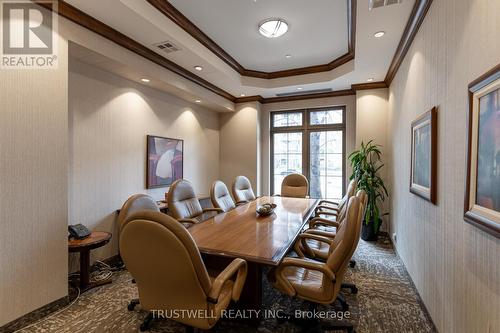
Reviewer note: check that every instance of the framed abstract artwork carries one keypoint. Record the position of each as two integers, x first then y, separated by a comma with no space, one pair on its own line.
424,156
482,190
164,161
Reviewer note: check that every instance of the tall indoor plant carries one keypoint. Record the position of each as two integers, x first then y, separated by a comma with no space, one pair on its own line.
365,164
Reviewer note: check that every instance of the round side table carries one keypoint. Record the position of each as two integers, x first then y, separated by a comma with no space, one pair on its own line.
94,241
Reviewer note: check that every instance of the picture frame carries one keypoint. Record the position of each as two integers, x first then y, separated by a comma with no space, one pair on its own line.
482,183
164,161
423,168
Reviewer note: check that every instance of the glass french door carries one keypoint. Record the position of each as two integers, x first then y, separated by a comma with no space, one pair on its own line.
310,142
326,161
287,157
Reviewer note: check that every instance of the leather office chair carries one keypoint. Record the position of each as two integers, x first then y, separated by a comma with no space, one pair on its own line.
219,194
332,208
242,190
163,258
295,185
319,282
317,244
184,205
135,203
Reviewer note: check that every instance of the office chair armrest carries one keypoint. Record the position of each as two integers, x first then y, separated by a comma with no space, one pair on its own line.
213,209
241,202
323,233
335,203
302,263
190,222
321,221
238,266
301,244
321,207
317,214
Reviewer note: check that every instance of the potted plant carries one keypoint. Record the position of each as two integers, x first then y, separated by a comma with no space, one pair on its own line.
365,164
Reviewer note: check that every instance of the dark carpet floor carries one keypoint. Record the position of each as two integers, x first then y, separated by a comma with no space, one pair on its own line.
386,302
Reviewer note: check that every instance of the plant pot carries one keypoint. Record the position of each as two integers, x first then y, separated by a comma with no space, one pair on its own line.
368,232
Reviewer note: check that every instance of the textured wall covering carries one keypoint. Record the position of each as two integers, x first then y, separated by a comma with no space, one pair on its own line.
455,266
33,187
239,144
109,120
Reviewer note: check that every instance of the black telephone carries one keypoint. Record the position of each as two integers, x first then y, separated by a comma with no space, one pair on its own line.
78,231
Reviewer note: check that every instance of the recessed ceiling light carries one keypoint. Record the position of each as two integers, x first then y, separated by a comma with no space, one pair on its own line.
242,95
273,27
198,101
145,80
288,56
198,68
370,79
299,88
379,34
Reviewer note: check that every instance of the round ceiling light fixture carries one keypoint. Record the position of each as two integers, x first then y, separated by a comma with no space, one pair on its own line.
273,27
379,34
198,68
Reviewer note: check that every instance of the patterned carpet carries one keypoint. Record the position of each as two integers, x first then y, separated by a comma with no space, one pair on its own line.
386,302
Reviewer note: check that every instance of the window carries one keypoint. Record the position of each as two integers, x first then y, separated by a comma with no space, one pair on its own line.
315,148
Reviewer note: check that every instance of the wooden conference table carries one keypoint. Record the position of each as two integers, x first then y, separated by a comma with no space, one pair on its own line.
261,241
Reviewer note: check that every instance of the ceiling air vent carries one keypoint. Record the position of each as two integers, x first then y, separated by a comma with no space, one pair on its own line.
166,47
315,91
382,3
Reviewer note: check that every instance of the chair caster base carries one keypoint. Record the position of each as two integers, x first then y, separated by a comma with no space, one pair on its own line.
131,306
146,324
351,286
352,263
343,303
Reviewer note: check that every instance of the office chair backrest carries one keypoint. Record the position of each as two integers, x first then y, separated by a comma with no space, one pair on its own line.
219,194
135,203
295,185
342,246
182,201
242,189
167,266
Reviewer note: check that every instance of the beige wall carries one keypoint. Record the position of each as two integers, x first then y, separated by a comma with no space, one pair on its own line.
33,187
372,111
109,120
348,101
239,144
455,266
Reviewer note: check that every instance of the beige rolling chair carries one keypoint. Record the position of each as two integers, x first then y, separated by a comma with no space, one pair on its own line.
316,244
184,205
242,190
135,203
295,185
219,194
334,211
318,282
163,258
332,208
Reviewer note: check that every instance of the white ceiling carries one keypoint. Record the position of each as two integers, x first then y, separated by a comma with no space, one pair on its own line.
317,33
145,24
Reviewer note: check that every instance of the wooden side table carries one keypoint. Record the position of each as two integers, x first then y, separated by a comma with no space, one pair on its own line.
95,240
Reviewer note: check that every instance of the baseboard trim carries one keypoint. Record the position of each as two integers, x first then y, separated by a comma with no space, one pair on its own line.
419,299
35,315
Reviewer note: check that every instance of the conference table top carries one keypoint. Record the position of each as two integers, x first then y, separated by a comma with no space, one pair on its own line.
241,233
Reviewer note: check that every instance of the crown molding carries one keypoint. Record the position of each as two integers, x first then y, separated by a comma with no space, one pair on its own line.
417,16
79,17
167,9
369,85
